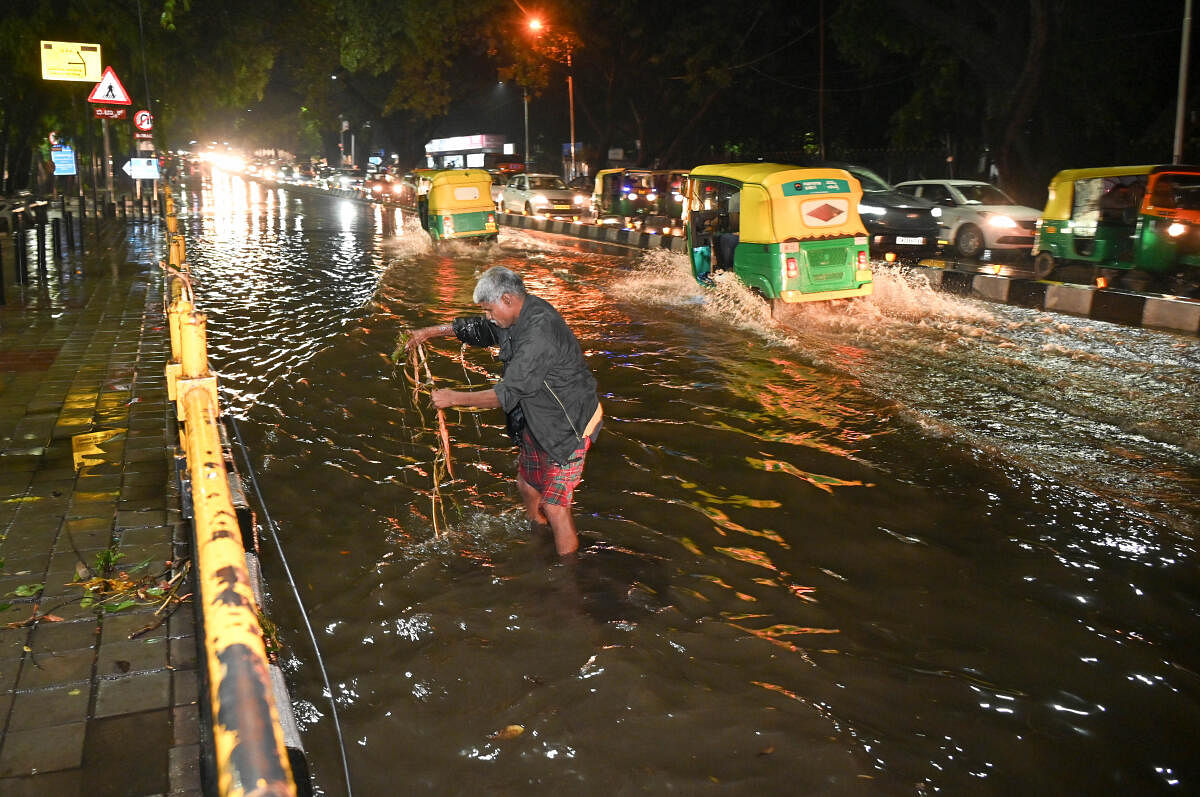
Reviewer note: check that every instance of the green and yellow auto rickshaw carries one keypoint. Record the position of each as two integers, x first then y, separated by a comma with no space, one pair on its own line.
623,197
1136,225
669,185
456,204
790,234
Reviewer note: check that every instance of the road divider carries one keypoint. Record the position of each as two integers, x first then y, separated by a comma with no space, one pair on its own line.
1102,304
255,745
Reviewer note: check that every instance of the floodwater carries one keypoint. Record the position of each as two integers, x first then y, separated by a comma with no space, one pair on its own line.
910,544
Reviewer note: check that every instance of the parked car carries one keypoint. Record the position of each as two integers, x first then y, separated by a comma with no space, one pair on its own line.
542,194
899,226
976,215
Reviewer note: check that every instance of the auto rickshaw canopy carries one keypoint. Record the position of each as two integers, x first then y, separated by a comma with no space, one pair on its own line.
780,202
459,190
1061,192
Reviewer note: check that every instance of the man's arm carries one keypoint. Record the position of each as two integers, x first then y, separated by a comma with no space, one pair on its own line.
423,334
482,399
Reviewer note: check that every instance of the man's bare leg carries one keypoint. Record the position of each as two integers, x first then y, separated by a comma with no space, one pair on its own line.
533,503
566,541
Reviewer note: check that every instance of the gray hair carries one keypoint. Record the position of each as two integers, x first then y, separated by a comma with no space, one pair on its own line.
496,282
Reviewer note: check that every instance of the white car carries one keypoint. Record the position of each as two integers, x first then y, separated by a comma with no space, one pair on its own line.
542,195
976,215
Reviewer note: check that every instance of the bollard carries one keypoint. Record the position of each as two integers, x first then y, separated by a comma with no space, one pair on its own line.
69,226
19,245
177,310
56,237
176,254
39,236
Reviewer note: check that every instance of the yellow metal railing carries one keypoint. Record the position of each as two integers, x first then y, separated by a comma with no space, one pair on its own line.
248,742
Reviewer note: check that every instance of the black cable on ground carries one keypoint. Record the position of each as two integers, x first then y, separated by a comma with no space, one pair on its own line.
337,726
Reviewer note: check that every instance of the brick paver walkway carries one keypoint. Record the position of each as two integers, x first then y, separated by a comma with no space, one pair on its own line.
85,708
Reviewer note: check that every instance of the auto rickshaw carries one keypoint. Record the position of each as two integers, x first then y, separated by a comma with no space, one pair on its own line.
1136,225
669,185
643,200
623,196
457,203
790,234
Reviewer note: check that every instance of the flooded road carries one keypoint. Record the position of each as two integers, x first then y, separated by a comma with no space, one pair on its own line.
911,544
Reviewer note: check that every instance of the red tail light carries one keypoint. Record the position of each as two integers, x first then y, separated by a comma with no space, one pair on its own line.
862,259
791,271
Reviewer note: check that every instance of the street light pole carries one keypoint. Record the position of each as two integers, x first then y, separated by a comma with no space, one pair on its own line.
1181,100
571,102
525,96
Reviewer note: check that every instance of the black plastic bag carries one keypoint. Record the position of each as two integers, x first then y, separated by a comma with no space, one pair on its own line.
515,424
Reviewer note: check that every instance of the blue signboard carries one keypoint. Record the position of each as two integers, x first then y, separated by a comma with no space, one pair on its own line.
64,160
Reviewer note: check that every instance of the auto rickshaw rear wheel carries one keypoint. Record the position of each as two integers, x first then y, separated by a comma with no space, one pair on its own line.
1043,265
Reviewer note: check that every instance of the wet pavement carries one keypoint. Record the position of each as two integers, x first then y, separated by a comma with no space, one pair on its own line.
98,679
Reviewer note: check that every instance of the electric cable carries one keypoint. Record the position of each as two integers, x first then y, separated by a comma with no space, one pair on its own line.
337,726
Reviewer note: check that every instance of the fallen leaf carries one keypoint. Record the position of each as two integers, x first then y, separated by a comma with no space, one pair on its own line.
51,618
508,732
767,750
122,665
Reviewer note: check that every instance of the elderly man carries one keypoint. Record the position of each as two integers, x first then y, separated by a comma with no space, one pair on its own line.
546,390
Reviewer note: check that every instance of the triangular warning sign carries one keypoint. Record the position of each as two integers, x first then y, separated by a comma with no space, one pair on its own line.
109,90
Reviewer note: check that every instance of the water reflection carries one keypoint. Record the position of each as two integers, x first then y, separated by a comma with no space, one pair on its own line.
883,551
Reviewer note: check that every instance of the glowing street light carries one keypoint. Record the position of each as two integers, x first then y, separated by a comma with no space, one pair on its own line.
536,25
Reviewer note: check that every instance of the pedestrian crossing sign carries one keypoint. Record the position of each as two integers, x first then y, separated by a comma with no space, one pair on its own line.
109,90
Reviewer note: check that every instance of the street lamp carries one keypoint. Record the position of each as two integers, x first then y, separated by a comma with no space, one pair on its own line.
536,25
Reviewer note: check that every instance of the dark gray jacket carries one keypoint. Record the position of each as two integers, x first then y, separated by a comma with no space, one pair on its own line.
544,372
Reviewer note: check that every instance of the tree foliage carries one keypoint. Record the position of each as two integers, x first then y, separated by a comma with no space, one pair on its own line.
925,87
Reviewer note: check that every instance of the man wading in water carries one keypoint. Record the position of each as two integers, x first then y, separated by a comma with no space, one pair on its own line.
546,390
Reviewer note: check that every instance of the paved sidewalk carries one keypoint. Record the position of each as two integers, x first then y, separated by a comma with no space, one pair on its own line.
85,479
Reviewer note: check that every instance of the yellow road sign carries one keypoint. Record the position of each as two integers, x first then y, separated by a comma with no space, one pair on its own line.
70,61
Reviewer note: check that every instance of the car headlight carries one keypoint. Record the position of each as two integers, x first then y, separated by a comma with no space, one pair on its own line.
580,199
539,199
1002,221
1176,229
935,212
650,197
872,210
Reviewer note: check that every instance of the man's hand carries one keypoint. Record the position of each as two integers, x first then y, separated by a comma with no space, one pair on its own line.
443,398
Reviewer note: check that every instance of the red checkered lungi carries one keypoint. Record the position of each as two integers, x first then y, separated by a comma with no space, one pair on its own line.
555,482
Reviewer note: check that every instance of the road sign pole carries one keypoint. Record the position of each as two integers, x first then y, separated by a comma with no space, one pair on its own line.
108,175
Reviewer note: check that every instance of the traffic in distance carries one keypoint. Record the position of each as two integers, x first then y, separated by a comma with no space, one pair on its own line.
1130,227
